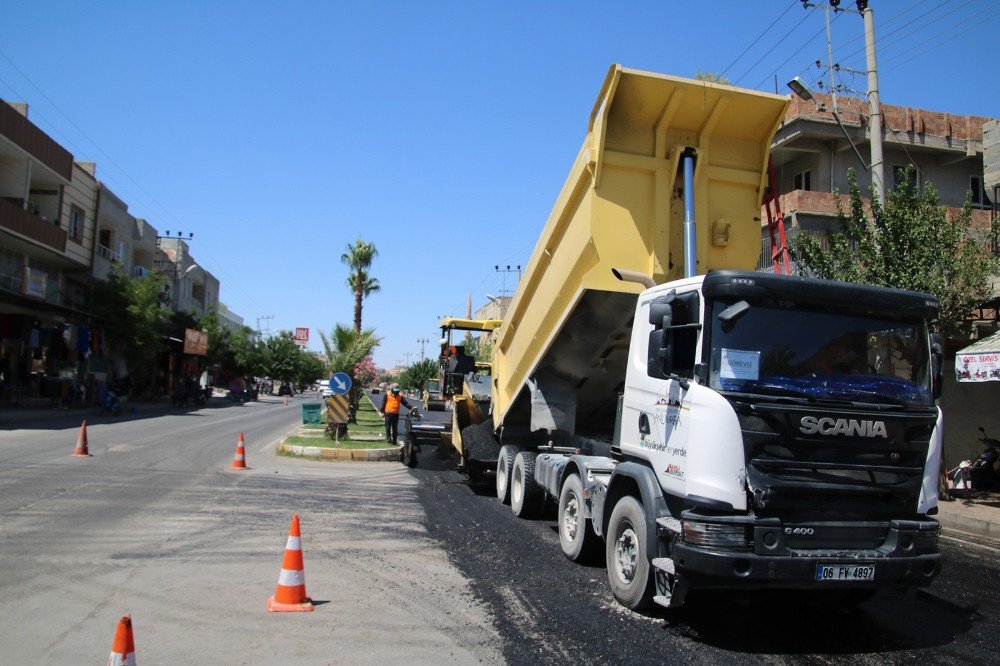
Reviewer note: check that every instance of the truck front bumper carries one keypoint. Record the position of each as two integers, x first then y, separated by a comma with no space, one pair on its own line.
703,568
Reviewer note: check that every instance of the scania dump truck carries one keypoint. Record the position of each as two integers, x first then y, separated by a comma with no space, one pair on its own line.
714,426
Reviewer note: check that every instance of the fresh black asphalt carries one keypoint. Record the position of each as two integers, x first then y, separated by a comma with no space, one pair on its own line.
549,610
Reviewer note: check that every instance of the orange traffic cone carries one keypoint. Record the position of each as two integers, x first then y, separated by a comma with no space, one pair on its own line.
291,593
123,649
240,459
81,442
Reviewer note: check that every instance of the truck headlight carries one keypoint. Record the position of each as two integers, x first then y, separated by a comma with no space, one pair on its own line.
715,535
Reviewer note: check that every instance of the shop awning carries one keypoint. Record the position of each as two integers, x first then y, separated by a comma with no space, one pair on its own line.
980,361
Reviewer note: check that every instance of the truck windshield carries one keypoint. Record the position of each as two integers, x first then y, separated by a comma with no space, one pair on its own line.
817,355
432,386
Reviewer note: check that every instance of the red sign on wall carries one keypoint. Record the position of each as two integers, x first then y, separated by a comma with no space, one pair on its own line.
302,336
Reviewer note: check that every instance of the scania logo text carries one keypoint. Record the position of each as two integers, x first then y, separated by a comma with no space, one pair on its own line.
812,425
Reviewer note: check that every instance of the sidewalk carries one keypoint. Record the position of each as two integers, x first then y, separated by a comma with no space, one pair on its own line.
980,516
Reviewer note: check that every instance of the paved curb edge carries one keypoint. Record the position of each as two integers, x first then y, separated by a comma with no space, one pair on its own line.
977,526
343,455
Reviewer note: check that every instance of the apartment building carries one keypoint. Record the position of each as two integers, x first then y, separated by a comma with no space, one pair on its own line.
47,222
191,288
812,156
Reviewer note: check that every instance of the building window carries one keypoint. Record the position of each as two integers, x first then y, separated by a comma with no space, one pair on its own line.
979,197
802,181
902,173
75,223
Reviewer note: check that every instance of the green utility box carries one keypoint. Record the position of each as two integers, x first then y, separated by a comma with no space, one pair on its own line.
311,412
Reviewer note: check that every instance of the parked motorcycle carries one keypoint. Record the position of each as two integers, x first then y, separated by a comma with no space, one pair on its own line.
112,403
980,473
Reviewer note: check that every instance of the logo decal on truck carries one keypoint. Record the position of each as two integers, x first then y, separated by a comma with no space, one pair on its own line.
811,425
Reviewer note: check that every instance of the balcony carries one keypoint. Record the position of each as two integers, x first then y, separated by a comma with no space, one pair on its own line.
18,220
40,145
825,204
108,254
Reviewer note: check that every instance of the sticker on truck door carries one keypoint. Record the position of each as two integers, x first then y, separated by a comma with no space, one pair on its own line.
739,364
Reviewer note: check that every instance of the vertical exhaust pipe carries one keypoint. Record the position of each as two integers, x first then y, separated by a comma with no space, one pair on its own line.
690,258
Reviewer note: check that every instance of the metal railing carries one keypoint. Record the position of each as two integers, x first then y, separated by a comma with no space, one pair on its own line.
109,254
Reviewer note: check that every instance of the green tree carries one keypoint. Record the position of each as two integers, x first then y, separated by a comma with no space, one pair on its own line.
711,77
908,243
481,348
311,367
135,318
345,348
415,376
359,258
281,357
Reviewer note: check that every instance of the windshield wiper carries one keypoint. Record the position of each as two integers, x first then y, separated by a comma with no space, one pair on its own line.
892,400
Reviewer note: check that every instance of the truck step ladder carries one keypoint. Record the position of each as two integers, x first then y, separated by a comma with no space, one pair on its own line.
776,224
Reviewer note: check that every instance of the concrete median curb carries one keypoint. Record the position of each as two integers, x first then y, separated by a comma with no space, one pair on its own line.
951,520
342,455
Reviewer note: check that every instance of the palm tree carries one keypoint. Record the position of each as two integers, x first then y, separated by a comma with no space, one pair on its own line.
344,349
359,258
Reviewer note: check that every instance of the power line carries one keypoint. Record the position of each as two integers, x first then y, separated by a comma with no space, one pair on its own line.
767,53
118,186
798,50
883,45
886,22
922,44
937,43
760,36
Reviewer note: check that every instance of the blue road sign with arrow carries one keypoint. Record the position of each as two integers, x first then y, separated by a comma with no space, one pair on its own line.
340,383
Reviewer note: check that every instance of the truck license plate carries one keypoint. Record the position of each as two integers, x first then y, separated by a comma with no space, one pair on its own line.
845,572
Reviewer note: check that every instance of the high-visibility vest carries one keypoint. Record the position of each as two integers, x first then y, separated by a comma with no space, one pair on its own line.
392,404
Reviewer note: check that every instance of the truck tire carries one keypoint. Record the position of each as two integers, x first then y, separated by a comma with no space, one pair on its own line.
526,497
576,534
628,563
505,464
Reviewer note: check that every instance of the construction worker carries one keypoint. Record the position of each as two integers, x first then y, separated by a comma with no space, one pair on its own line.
391,402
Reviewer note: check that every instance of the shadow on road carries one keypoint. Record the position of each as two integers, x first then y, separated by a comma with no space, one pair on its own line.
791,623
61,419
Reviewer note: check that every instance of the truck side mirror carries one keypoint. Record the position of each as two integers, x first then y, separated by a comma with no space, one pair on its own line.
937,361
659,359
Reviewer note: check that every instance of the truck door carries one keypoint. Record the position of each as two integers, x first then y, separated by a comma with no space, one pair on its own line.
655,413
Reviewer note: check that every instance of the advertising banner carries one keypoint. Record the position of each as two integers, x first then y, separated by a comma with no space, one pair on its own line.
302,336
34,283
977,367
195,342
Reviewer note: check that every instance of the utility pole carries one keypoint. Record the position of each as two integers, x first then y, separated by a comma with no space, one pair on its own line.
503,273
874,113
267,327
422,341
407,355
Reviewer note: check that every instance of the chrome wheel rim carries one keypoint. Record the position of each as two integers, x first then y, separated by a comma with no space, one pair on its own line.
571,518
626,554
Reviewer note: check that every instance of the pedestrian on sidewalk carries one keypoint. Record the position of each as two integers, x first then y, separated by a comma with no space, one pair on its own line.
391,402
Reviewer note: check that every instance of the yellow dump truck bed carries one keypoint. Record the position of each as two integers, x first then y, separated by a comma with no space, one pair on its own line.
622,207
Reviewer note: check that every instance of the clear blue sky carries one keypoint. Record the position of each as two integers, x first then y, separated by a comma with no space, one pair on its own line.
279,131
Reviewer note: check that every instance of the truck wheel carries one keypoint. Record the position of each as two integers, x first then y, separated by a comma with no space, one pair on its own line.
526,497
576,534
409,453
505,464
628,562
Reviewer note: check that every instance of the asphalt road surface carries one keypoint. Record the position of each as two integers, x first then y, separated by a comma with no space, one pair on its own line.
157,525
549,610
405,566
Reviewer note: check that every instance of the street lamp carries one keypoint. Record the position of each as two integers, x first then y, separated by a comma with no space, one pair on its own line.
802,91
